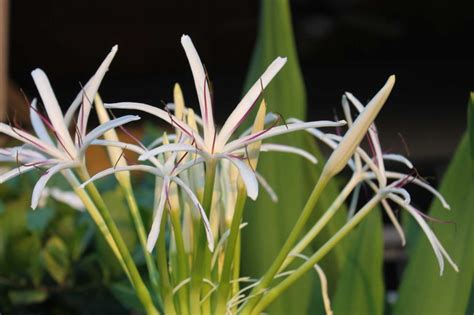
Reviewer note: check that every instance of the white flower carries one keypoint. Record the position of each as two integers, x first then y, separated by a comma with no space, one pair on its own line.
53,147
217,145
168,171
374,174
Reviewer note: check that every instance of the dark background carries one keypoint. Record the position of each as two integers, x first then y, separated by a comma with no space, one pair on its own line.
343,45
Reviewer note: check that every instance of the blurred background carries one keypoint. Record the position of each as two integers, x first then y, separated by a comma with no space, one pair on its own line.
343,45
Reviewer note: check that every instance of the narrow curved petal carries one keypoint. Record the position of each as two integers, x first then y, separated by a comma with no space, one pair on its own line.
202,88
159,141
279,130
55,114
266,186
90,88
156,225
173,147
90,91
398,158
144,168
31,140
197,204
438,248
416,181
271,147
247,175
14,173
163,115
242,110
67,197
101,129
127,146
41,183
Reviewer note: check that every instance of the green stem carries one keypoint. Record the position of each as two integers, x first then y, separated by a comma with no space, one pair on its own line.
202,253
322,222
182,261
137,282
224,283
162,263
142,235
290,241
316,257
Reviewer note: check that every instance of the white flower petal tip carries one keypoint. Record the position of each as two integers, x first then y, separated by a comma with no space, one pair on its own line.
114,49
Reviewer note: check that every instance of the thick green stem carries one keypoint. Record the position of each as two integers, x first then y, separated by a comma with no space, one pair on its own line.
182,261
142,235
271,295
202,253
290,241
224,282
135,277
162,262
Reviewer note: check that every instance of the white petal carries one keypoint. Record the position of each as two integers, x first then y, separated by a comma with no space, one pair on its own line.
32,140
271,147
173,147
244,107
435,243
416,181
41,183
90,90
393,218
155,227
14,173
38,124
279,130
159,141
100,130
247,175
55,114
269,118
67,197
127,146
202,88
164,115
398,158
91,86
144,168
197,204
263,182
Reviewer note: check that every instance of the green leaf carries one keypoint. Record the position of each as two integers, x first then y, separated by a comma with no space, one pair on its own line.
38,220
423,290
56,259
25,297
360,289
291,177
470,126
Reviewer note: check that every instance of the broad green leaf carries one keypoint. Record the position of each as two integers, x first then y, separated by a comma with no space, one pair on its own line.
56,259
25,297
291,177
360,289
423,290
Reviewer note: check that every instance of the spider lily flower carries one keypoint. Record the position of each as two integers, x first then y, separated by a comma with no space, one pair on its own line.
55,148
213,144
168,171
372,171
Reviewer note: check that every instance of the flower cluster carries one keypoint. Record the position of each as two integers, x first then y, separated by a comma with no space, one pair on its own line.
203,176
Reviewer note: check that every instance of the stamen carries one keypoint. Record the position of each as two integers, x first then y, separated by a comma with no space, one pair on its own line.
405,145
120,156
248,159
